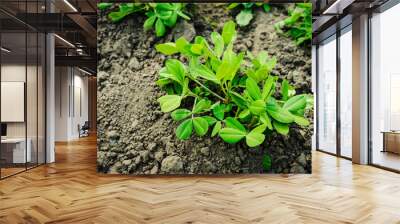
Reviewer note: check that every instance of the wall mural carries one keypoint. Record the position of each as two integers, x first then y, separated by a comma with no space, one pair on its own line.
204,88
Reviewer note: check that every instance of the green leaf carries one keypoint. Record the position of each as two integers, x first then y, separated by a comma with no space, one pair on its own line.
184,130
231,135
200,126
269,83
254,139
104,5
264,118
278,113
148,24
177,69
181,43
202,105
160,28
216,129
257,107
285,90
238,100
252,89
203,72
167,48
244,114
171,21
183,15
169,103
218,42
180,114
230,65
244,17
229,32
196,49
267,162
210,120
233,123
219,111
233,5
296,103
125,9
301,121
282,129
267,7
260,129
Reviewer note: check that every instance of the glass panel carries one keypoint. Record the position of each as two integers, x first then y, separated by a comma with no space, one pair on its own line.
346,93
327,96
385,84
13,89
32,95
41,99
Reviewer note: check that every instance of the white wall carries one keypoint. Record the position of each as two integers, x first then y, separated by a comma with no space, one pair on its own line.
70,83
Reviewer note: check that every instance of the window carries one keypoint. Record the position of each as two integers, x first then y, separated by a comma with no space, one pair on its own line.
346,92
385,89
327,95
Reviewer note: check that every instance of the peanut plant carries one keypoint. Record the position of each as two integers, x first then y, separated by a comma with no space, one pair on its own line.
159,15
227,94
246,13
299,23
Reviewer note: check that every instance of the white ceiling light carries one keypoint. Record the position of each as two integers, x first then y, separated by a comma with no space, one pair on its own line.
64,40
70,5
5,50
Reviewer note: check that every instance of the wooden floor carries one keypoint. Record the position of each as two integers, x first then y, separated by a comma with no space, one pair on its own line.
70,191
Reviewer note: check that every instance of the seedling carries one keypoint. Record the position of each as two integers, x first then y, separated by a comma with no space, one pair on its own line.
298,25
246,13
159,15
218,91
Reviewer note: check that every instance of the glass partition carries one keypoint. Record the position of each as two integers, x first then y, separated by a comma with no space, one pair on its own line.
385,89
327,95
22,77
14,153
346,92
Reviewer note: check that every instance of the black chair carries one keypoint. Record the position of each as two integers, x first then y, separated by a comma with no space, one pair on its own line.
84,130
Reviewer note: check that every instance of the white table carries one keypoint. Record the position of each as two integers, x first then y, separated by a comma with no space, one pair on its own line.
19,154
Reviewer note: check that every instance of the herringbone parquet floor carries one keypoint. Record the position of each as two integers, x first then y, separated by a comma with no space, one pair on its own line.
70,191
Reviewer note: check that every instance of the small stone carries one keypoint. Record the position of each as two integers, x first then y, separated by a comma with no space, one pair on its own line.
238,161
151,146
302,160
134,64
172,164
154,170
159,156
138,159
184,29
145,156
205,151
113,134
208,167
170,148
127,162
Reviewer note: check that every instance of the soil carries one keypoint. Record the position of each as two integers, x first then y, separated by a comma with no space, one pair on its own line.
135,137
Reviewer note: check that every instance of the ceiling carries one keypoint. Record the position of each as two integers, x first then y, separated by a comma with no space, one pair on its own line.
74,22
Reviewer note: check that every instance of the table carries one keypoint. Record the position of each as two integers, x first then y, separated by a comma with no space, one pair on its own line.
391,141
13,150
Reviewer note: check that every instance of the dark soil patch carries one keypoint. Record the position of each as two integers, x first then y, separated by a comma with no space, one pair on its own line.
135,137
